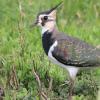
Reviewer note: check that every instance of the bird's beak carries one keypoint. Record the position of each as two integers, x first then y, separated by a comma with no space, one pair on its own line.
34,23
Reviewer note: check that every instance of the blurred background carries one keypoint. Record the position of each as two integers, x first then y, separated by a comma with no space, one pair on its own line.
25,72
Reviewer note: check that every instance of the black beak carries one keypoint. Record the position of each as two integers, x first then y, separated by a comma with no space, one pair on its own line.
34,23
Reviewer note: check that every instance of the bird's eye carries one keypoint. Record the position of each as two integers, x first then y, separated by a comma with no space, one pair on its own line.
45,17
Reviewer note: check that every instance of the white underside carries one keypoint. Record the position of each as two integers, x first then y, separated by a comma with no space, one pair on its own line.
44,30
71,69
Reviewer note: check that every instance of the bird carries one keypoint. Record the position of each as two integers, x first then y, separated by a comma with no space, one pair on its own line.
64,50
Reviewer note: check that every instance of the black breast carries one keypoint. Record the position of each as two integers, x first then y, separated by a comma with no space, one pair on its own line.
47,41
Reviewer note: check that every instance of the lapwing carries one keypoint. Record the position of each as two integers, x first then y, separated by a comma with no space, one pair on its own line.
68,52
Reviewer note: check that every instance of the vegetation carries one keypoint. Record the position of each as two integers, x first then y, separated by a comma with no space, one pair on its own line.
25,72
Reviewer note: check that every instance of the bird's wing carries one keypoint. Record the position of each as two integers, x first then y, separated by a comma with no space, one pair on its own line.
73,52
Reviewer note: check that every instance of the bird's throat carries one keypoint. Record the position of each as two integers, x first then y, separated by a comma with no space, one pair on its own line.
47,41
48,27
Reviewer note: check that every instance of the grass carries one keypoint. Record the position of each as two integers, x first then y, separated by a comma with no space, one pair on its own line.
21,53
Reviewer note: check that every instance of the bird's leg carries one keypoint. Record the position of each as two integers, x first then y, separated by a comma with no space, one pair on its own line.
71,87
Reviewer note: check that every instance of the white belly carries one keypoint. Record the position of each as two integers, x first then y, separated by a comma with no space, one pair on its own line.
71,69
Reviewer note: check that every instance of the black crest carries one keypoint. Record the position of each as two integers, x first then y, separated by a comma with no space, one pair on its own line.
49,11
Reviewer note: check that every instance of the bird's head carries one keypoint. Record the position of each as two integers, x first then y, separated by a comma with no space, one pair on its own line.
47,20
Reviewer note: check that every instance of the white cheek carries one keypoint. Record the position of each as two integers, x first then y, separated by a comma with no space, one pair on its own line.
40,21
39,24
44,29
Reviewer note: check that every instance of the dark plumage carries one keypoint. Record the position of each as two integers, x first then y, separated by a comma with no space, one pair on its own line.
49,11
74,52
71,51
47,41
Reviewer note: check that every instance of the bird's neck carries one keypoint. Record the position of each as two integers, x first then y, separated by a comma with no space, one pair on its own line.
48,37
50,27
47,41
44,29
50,30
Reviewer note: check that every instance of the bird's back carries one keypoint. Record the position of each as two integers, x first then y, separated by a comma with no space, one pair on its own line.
74,52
